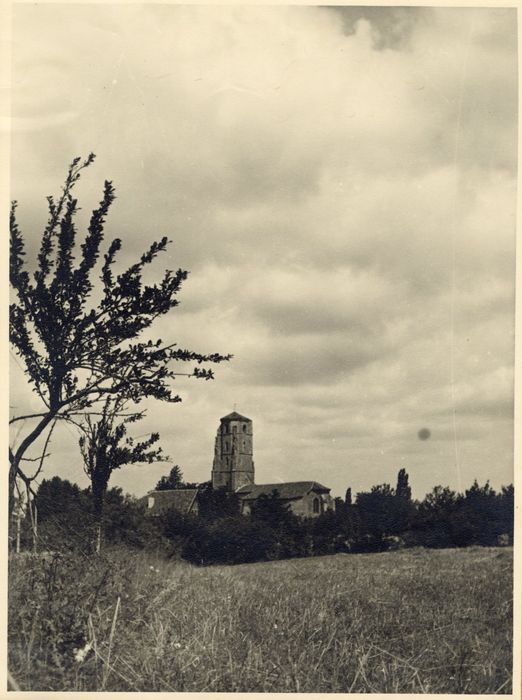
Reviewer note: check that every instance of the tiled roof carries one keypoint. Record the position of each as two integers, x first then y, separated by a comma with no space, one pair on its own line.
235,416
287,490
182,500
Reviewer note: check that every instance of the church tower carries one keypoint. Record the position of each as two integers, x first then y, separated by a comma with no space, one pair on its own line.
233,465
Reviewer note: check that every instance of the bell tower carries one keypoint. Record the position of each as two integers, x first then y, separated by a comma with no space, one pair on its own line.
233,465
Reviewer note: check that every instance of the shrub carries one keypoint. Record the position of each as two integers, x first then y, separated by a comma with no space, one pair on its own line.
214,504
231,541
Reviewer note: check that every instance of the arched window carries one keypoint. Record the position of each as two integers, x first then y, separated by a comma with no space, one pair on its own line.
316,505
244,427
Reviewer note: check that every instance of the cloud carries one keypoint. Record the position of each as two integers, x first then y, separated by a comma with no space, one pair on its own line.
341,183
392,27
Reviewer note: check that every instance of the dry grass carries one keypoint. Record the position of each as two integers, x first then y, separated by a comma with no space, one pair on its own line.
413,621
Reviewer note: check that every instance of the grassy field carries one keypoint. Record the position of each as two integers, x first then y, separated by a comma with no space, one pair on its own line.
413,621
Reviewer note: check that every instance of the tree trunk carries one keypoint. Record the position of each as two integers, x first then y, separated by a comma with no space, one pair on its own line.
98,495
16,457
13,468
18,518
13,526
35,529
97,542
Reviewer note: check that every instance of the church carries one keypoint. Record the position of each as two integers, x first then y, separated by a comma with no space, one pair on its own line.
233,470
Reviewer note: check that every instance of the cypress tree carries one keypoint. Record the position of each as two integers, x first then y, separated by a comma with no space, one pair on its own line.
403,489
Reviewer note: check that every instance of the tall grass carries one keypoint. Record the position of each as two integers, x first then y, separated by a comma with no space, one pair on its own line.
414,621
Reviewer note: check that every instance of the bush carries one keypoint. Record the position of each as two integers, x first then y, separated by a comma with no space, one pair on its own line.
66,520
214,504
219,534
479,517
125,522
335,531
231,541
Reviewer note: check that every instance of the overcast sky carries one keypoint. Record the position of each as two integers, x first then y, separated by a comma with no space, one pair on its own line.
340,184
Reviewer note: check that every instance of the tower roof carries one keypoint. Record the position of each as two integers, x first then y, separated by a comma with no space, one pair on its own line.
235,416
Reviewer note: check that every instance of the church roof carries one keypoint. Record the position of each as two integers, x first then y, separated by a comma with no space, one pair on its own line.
235,416
288,490
181,500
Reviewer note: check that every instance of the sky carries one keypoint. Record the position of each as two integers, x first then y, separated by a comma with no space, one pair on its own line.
341,185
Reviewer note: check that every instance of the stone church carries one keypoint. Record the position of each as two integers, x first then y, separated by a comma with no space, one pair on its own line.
233,470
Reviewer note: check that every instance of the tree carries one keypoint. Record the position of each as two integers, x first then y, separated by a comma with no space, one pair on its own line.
404,508
270,509
334,531
440,499
384,513
435,517
125,522
270,512
506,504
66,519
64,514
376,509
78,351
403,489
348,499
105,447
477,519
339,504
232,540
216,504
173,481
178,527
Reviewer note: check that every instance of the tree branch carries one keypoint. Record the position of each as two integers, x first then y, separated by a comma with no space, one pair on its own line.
42,458
31,415
33,435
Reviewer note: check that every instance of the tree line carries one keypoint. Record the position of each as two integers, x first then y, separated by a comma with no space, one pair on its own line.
380,519
81,330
